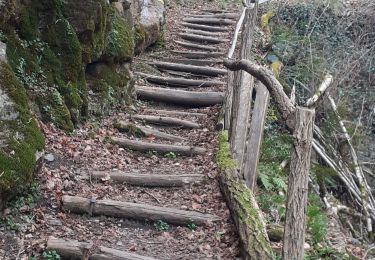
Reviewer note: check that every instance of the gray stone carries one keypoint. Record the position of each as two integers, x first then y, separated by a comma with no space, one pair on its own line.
3,51
49,157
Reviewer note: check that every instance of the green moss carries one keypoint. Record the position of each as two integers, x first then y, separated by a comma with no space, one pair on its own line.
120,39
17,157
139,36
224,157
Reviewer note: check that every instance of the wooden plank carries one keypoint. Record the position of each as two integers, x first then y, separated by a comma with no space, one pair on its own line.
202,38
173,112
72,249
157,147
255,136
199,70
210,21
167,121
135,211
179,82
196,46
180,97
205,27
198,54
149,180
123,126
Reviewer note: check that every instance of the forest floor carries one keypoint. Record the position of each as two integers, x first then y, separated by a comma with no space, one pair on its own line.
72,158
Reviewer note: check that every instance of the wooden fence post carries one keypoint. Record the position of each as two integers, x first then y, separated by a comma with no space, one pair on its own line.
295,223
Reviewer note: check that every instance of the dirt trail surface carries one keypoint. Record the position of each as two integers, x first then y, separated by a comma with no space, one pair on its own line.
137,194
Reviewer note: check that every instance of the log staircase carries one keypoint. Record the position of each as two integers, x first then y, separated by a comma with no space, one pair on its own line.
204,38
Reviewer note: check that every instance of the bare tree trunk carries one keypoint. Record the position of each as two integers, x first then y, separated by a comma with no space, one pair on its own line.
295,223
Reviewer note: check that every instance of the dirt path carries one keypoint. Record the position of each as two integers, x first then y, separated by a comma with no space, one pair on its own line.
150,192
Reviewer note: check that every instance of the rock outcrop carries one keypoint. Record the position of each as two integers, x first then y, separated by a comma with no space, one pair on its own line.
70,59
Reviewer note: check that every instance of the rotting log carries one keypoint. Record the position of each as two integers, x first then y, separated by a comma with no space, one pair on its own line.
258,118
298,181
136,211
199,70
161,148
174,112
200,32
180,97
205,27
196,62
179,82
123,126
167,121
202,38
209,21
197,46
72,249
198,54
149,180
247,217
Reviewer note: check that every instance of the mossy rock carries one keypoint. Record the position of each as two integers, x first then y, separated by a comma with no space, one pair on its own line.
20,137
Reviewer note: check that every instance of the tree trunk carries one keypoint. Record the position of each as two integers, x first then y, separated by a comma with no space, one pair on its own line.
295,222
179,97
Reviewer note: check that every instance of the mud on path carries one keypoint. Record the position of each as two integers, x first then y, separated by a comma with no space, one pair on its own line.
117,145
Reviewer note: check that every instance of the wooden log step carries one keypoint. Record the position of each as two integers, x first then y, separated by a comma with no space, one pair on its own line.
179,97
173,112
179,82
136,211
157,147
217,15
218,11
205,27
200,32
202,38
123,126
196,46
210,21
199,70
149,180
72,249
198,54
196,62
167,121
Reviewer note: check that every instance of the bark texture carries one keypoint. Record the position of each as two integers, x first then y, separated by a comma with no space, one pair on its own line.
295,224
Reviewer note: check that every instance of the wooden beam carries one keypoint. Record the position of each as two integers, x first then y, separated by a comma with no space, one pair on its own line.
255,137
199,70
180,97
210,21
205,27
174,112
157,147
167,121
202,38
149,180
197,46
179,82
135,211
72,249
196,62
206,33
198,54
123,126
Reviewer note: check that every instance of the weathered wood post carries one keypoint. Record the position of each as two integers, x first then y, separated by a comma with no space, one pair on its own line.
295,224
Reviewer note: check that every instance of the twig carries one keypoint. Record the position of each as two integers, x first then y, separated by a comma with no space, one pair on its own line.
157,200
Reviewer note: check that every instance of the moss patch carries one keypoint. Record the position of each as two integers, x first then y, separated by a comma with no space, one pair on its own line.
23,138
224,156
